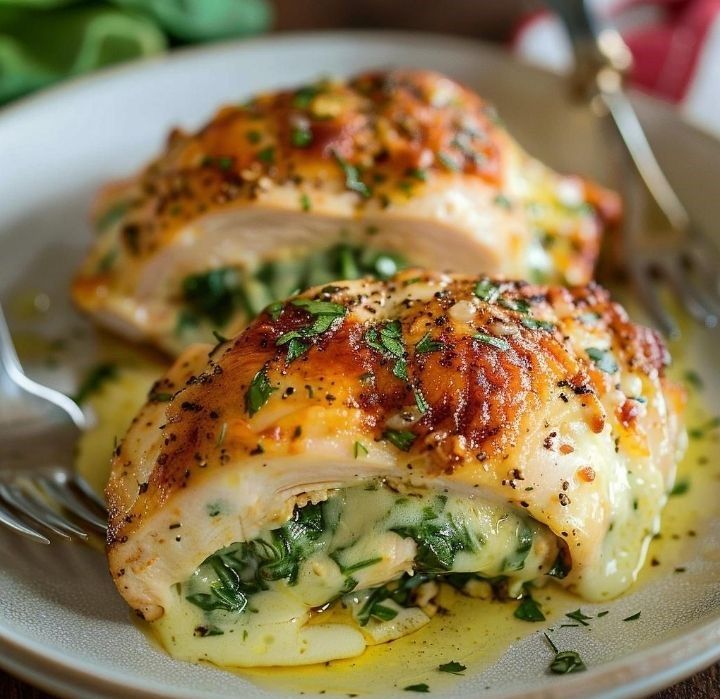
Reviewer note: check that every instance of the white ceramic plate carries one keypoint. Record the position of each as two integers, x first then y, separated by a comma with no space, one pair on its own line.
62,626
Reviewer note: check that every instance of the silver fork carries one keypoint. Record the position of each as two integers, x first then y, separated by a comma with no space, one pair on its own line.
679,254
39,427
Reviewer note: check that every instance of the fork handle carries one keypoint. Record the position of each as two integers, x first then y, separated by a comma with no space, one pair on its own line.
633,137
9,362
601,59
14,382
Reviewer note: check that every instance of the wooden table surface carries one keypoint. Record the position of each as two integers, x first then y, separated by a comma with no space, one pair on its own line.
705,685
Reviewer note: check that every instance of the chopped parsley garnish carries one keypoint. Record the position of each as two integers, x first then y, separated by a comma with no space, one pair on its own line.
388,340
519,305
589,318
258,392
448,162
221,435
632,617
305,95
497,342
577,615
107,261
427,344
422,404
402,439
400,369
502,201
305,203
565,661
534,324
275,309
602,614
680,488
561,567
529,610
700,432
320,308
223,162
213,509
454,668
95,379
487,290
422,688
324,314
694,379
603,359
295,348
373,607
352,177
112,215
418,174
359,449
301,137
267,155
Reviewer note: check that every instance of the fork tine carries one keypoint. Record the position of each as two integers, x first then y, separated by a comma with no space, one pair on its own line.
692,297
18,526
83,486
646,288
57,487
41,513
704,255
704,283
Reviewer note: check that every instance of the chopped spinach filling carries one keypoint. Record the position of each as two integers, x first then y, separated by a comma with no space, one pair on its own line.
243,569
338,549
217,295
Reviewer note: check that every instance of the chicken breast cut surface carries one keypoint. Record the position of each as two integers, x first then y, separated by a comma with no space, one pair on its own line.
337,179
537,408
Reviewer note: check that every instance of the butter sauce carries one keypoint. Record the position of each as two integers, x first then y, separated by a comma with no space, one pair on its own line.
358,539
474,632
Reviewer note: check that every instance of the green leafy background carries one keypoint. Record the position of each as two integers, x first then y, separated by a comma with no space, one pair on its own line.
44,41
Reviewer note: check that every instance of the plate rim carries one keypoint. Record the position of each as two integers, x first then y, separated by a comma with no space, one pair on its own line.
695,650
182,53
687,653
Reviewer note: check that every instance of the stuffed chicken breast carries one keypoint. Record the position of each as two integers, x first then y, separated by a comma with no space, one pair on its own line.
298,492
332,180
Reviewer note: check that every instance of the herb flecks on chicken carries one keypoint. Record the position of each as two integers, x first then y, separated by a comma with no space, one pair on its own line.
337,179
469,400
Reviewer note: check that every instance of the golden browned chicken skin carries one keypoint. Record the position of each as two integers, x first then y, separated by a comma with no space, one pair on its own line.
546,400
409,163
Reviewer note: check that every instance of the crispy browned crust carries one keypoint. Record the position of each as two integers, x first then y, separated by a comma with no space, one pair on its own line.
399,129
480,400
384,123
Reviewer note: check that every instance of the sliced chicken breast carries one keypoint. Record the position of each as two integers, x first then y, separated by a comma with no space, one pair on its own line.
374,433
333,180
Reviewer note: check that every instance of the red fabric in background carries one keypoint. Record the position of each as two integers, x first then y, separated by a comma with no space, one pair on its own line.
666,54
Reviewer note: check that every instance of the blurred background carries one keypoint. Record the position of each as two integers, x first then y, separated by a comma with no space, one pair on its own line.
675,43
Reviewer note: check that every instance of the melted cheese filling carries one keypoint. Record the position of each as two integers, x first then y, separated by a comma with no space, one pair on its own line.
358,569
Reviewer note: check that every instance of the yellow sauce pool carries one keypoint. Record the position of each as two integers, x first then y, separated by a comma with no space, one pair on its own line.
472,632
